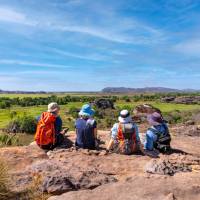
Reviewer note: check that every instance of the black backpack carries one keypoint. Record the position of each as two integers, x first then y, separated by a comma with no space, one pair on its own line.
163,140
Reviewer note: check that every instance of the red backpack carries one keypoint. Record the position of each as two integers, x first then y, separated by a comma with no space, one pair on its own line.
127,138
45,133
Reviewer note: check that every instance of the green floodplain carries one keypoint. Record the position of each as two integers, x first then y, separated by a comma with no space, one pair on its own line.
68,119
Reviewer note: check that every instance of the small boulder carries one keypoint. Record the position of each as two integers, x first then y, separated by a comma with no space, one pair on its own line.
58,184
104,104
141,111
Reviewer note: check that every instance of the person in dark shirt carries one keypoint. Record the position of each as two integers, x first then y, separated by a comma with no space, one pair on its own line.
86,128
54,109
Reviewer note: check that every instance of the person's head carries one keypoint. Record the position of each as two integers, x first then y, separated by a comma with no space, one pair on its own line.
54,108
155,119
86,111
125,117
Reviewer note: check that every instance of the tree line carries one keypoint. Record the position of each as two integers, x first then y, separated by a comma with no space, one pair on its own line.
6,102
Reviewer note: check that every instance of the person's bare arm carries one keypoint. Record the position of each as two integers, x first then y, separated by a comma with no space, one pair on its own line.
110,144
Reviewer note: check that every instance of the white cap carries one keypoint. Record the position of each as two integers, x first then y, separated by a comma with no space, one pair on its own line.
125,117
53,107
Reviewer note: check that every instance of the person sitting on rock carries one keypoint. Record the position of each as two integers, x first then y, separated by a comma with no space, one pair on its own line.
124,135
86,128
49,132
157,136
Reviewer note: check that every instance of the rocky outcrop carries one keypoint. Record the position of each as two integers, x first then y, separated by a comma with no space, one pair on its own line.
182,100
104,104
141,111
173,164
168,99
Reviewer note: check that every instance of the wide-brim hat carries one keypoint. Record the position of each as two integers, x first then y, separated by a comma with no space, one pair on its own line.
53,107
155,119
124,117
86,110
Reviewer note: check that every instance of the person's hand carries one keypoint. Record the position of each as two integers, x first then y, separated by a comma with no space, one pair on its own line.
96,143
64,131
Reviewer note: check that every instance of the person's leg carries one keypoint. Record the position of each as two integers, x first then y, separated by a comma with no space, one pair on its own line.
59,139
47,147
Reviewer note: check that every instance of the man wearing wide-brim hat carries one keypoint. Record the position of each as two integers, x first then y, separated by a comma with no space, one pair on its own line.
124,130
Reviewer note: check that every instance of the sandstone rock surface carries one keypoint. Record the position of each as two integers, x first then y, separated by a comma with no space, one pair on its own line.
69,174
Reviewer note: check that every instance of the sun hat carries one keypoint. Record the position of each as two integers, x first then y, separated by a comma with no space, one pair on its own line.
155,119
125,117
86,110
53,107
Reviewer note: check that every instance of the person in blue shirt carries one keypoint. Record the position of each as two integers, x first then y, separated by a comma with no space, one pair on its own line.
86,128
118,135
157,136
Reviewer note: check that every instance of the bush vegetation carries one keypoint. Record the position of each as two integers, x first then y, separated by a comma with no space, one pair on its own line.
8,140
22,124
6,102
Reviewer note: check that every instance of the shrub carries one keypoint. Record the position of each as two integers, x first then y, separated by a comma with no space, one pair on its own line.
126,99
73,111
23,124
5,104
8,140
127,107
13,114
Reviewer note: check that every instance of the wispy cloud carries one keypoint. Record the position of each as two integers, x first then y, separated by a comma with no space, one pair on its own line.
127,31
33,64
113,29
92,56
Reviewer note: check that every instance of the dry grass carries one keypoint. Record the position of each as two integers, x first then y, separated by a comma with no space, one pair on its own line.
32,192
4,181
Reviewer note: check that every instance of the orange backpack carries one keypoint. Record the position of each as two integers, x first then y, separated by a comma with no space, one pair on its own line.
45,133
127,138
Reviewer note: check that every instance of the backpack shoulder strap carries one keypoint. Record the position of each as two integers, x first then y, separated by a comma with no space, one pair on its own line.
156,132
166,129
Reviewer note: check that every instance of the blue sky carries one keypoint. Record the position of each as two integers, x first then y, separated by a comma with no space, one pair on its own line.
86,45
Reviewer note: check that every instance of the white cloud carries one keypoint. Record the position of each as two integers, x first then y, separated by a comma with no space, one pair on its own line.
189,48
12,16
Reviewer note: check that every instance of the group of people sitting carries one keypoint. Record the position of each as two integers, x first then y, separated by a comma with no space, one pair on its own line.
124,139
